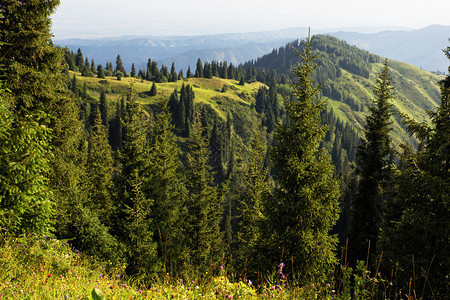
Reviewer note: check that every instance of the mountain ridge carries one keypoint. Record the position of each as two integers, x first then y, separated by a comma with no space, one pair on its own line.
185,50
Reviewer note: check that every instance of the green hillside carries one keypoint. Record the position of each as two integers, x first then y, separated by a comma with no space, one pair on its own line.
416,91
348,74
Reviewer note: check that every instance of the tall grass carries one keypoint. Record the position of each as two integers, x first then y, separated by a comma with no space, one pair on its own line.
33,267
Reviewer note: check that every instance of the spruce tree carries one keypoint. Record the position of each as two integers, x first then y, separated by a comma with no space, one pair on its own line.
189,73
173,73
374,159
304,206
199,70
204,205
415,231
79,60
100,72
31,59
93,68
100,170
163,185
133,70
251,208
153,91
134,225
119,66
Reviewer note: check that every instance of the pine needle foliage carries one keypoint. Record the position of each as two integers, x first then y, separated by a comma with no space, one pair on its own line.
304,206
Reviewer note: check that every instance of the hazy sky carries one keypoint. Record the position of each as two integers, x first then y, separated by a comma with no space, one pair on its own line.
96,18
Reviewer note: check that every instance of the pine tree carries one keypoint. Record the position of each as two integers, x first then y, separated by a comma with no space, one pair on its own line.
100,170
199,70
104,111
189,73
163,185
119,66
304,206
153,91
133,70
251,207
374,159
93,68
134,225
204,205
173,73
79,60
100,72
415,232
49,112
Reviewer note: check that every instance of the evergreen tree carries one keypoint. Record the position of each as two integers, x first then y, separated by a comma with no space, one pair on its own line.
304,206
153,90
93,68
173,77
133,71
251,208
374,159
79,60
104,111
199,70
163,185
100,170
189,73
134,225
119,66
49,112
100,72
414,235
204,205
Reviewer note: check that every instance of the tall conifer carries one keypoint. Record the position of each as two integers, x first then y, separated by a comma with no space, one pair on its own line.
304,206
374,159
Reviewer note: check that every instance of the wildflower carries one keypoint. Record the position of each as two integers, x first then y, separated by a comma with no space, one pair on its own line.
21,291
118,275
221,267
250,282
328,285
49,275
192,281
273,288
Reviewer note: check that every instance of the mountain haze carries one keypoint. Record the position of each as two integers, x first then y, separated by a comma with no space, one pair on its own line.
421,47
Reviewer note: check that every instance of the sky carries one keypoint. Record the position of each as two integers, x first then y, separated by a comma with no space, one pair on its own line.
110,18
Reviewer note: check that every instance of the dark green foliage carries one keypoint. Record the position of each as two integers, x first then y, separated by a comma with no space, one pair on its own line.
45,120
199,70
163,185
79,60
414,236
204,205
134,225
374,159
99,170
250,235
173,77
189,73
119,66
26,201
100,72
187,96
133,71
178,112
304,205
153,90
93,68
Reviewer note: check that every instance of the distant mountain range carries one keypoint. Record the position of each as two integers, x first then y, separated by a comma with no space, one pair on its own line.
421,47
